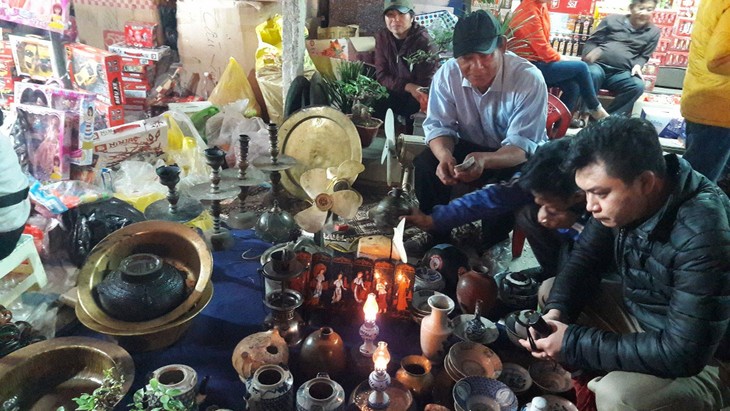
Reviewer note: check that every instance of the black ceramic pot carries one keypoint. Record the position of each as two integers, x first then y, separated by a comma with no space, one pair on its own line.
141,289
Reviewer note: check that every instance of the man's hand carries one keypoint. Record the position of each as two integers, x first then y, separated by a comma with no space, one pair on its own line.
445,171
474,172
548,348
420,220
553,219
636,71
593,55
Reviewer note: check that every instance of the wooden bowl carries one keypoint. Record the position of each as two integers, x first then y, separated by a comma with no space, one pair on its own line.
49,374
154,338
177,244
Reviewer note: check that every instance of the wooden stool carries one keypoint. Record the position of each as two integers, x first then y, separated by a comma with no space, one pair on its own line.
34,271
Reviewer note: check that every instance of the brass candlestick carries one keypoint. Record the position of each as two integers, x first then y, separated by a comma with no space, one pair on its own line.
244,177
275,164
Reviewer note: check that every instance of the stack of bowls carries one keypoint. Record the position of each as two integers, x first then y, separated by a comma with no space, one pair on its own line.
468,359
480,393
550,377
419,304
178,245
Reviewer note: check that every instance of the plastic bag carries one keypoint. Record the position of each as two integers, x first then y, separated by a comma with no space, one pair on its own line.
185,148
269,69
63,195
499,257
90,223
234,86
224,128
137,183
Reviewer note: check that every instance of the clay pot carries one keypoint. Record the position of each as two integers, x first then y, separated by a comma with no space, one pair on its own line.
270,388
323,351
321,393
436,327
476,285
178,377
259,349
415,374
143,288
519,291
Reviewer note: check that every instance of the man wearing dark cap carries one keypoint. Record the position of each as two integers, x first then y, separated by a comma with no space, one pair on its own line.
400,38
487,104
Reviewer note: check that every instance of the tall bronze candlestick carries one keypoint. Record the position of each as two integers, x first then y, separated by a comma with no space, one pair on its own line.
244,177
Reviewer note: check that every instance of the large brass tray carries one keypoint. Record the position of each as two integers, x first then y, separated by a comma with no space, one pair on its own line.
48,374
318,137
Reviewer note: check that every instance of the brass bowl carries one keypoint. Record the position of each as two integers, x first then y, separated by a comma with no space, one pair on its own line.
48,374
177,244
151,339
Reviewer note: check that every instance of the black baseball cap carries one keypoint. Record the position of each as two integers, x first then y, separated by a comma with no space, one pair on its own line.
477,32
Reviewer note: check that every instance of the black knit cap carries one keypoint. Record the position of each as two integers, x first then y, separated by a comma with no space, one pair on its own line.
477,32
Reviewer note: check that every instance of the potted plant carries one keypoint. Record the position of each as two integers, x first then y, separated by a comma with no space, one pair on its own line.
155,397
354,91
103,398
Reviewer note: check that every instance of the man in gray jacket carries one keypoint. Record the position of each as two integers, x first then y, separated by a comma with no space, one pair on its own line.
658,341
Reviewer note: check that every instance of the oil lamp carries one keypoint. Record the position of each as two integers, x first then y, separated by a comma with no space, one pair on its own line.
369,330
379,379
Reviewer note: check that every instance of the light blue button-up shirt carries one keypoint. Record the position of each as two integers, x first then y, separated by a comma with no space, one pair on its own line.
513,111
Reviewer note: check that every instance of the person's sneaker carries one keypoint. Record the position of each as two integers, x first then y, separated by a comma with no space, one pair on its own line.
417,245
467,235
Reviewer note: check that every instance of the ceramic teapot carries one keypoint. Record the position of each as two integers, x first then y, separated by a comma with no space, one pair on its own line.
142,288
519,290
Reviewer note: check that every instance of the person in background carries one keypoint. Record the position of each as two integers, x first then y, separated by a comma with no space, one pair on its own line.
706,92
400,38
657,338
14,202
547,202
617,51
530,27
487,112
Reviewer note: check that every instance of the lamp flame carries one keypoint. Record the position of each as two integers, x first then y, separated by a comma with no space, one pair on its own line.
381,356
370,308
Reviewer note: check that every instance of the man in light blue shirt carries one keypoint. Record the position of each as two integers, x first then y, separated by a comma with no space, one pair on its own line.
485,103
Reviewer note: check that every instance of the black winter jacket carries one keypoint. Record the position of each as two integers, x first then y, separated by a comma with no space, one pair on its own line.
675,268
391,70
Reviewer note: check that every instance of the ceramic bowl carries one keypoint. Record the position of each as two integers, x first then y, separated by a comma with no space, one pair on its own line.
48,374
480,393
472,359
550,377
428,279
177,244
555,403
420,301
151,339
516,377
460,328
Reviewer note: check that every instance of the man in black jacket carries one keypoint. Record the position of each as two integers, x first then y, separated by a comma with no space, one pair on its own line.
667,229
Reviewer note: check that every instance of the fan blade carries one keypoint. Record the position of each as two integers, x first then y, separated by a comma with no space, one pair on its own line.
389,135
314,182
346,203
349,169
398,240
312,219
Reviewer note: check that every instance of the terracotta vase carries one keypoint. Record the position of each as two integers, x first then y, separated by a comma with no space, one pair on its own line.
321,393
323,351
270,389
258,349
475,285
436,327
415,374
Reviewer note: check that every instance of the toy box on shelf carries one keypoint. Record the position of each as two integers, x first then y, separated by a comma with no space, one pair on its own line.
141,34
33,58
96,71
116,144
79,109
47,139
155,54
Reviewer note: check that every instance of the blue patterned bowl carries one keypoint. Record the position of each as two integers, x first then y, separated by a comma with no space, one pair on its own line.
481,393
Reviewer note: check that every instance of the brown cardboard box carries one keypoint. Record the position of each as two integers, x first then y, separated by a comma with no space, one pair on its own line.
101,24
208,36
